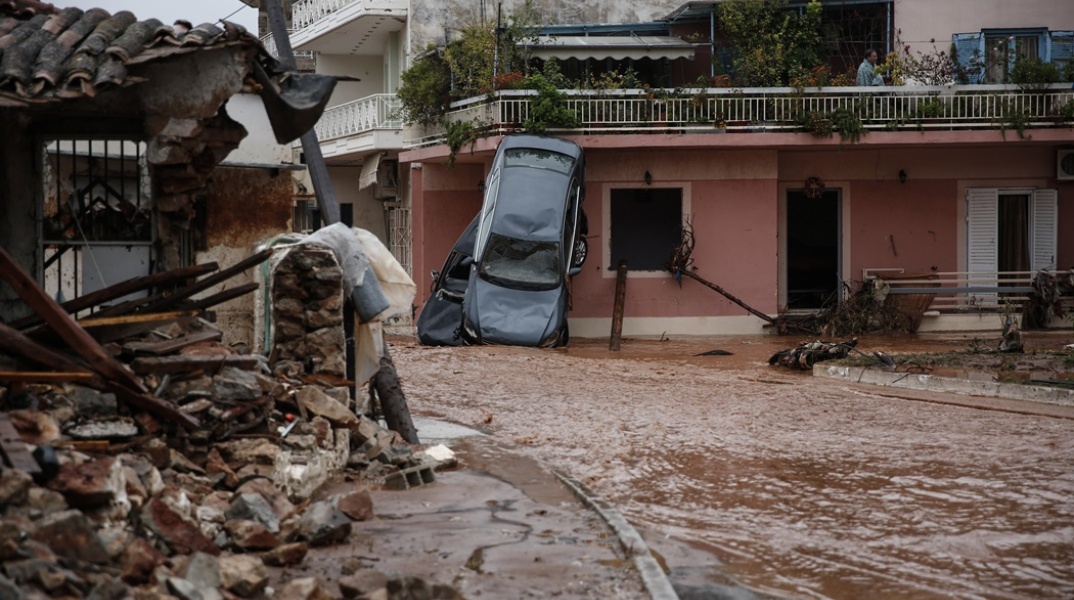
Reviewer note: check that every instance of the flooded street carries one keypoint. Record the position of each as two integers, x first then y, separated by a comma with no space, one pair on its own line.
790,485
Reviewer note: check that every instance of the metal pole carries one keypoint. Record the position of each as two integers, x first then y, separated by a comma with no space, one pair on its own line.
311,148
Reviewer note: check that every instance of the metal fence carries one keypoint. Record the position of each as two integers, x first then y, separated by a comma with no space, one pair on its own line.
774,109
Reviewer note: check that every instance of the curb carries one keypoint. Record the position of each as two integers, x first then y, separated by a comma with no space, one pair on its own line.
656,582
934,383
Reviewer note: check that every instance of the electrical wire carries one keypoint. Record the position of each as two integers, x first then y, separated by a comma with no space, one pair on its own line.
233,13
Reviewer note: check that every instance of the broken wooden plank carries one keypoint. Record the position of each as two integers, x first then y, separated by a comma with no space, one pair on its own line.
17,343
129,286
138,319
49,377
725,294
178,364
14,449
81,342
616,340
153,405
171,346
204,284
224,296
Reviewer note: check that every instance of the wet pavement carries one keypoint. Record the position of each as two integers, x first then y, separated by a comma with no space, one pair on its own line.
501,526
739,473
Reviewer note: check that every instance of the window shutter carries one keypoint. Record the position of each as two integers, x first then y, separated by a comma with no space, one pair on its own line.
982,223
969,48
1044,219
1061,49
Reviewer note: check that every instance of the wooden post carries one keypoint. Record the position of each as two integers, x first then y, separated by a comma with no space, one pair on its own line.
617,311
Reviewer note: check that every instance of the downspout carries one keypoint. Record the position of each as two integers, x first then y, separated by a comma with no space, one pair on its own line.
712,42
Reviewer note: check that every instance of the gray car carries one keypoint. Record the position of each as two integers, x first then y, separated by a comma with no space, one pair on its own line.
530,240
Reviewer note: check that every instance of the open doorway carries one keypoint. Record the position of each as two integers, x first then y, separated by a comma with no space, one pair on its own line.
813,233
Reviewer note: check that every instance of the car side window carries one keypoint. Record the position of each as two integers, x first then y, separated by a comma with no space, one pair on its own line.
488,207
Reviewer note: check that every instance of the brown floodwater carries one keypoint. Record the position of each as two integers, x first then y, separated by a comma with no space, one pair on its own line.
786,484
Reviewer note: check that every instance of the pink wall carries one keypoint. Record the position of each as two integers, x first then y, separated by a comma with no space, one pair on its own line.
445,201
1065,252
910,226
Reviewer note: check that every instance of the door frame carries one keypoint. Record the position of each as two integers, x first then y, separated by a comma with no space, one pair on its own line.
843,188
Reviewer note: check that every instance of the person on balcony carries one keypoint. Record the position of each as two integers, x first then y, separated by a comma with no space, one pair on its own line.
867,74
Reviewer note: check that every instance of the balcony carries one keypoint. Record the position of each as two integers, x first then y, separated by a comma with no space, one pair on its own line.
269,43
361,126
822,111
354,27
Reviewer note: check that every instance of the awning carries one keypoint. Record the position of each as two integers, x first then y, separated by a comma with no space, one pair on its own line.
369,171
615,47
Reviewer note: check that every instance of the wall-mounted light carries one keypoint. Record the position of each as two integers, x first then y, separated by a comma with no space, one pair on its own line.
902,176
481,185
648,178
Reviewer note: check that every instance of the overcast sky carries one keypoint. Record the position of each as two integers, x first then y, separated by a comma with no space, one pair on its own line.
195,11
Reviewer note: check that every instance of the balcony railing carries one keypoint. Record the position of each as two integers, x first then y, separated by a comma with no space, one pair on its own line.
269,43
379,111
307,12
775,110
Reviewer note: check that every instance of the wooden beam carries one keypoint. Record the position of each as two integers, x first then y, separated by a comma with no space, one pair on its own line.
179,364
135,284
62,323
17,343
224,296
50,377
171,346
138,319
204,284
153,405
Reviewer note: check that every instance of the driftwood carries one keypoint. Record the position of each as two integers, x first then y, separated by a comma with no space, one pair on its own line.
806,354
620,305
681,264
393,401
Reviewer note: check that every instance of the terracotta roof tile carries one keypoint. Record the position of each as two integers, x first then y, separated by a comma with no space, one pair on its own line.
50,54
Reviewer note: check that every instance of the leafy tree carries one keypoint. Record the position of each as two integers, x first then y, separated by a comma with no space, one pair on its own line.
773,44
425,90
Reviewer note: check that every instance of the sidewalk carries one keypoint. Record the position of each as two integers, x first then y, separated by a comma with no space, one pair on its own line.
498,526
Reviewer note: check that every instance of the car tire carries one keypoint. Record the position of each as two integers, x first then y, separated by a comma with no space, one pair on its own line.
581,250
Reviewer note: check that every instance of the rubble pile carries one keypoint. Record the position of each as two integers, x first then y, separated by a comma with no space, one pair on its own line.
182,469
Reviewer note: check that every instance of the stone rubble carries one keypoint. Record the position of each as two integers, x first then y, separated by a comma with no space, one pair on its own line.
140,508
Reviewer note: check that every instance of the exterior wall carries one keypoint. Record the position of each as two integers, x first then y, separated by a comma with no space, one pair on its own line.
921,21
370,69
729,198
259,146
244,207
368,211
445,200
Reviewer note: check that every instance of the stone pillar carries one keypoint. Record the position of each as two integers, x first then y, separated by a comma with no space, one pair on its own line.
307,311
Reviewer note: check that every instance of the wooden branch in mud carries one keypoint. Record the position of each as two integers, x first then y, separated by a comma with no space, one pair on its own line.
393,400
129,286
727,295
620,306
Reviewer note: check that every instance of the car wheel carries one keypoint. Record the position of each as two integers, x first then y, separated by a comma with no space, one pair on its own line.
581,250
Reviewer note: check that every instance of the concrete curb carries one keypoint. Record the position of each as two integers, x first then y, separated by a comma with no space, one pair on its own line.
656,582
933,383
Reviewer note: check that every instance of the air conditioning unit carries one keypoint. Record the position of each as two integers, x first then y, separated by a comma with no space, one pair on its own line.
1064,164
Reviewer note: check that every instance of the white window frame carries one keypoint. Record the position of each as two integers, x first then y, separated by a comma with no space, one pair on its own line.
982,227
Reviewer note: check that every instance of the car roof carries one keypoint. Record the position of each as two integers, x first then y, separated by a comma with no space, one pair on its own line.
542,142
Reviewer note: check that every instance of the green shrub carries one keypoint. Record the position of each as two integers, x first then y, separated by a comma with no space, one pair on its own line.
1034,74
425,90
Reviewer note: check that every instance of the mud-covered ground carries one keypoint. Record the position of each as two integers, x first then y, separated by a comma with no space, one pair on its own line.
790,485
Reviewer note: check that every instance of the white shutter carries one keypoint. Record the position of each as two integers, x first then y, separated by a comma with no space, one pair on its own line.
1044,219
982,223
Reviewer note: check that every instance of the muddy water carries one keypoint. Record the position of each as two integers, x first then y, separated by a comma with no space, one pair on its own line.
792,486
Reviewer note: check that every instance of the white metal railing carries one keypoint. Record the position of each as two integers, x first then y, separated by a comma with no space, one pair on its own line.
776,109
963,291
379,111
269,43
307,12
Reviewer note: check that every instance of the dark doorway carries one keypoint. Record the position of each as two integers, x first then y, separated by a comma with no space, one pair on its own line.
646,227
812,249
1013,232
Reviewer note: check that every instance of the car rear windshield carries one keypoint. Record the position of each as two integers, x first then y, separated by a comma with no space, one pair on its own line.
521,264
542,159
